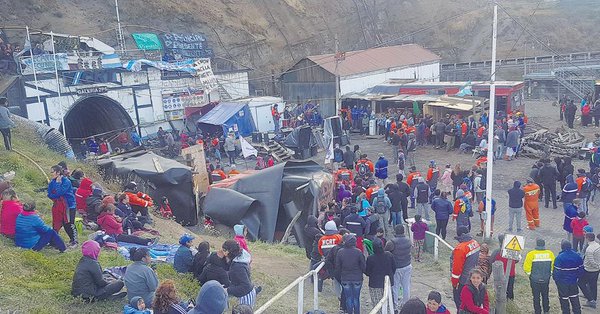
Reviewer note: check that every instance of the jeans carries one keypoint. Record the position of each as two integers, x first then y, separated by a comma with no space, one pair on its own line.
578,244
404,204
231,155
50,237
583,205
395,153
422,210
540,290
440,227
132,239
384,223
550,190
588,283
401,279
499,154
568,295
7,138
396,218
352,291
514,214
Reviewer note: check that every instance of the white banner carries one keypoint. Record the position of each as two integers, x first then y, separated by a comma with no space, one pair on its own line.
247,148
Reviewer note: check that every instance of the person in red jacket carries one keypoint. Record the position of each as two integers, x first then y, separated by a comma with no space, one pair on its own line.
474,297
111,224
81,195
577,225
497,256
11,208
464,258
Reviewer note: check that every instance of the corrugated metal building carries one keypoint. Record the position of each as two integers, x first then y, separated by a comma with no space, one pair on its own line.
313,78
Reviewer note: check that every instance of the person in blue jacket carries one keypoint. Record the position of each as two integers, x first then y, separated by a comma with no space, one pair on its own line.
568,267
60,191
32,233
569,192
381,169
184,259
570,213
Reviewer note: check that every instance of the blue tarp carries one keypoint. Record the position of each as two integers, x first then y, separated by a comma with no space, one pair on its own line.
231,116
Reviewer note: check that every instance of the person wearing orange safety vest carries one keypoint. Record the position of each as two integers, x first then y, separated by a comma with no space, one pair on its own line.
139,201
412,180
464,258
344,175
531,204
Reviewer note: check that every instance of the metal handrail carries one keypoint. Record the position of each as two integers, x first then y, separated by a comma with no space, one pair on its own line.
436,242
386,304
300,283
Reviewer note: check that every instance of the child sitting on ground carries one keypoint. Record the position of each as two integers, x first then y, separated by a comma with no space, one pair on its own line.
434,304
418,228
240,236
136,306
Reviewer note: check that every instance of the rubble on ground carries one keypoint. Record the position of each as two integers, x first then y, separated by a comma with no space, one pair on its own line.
543,143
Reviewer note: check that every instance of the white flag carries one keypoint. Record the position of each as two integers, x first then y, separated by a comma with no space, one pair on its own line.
329,153
247,148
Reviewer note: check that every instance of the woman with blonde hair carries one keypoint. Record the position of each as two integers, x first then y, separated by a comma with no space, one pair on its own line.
166,300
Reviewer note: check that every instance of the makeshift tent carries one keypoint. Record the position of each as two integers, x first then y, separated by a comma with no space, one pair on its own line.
267,200
260,107
303,141
157,176
225,116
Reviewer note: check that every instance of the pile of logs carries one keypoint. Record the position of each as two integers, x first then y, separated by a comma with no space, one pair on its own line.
543,143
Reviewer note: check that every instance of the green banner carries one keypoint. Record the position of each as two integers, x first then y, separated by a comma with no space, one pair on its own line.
147,41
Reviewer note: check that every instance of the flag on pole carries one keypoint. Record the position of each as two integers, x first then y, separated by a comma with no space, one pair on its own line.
416,109
247,148
466,90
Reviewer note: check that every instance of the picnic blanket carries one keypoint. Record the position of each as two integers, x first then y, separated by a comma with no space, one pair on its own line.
164,253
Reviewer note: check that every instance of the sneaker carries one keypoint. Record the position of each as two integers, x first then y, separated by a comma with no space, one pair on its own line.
73,245
258,289
591,304
117,296
479,234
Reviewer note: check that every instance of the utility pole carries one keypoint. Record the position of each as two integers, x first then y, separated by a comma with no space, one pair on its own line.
338,57
37,88
60,103
491,126
120,37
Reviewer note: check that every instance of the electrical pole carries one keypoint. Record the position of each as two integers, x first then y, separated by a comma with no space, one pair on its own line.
120,37
337,57
491,125
60,103
37,88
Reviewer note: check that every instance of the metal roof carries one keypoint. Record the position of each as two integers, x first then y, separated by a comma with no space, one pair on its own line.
376,59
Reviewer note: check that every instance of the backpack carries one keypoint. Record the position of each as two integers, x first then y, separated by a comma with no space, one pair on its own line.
363,169
380,205
587,185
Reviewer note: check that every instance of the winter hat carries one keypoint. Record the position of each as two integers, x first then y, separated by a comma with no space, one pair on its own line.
212,298
432,163
540,244
239,229
134,302
131,186
380,155
565,245
460,193
529,181
462,230
588,229
580,172
330,228
91,249
349,240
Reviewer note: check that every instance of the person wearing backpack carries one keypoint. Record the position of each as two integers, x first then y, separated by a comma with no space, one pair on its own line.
462,211
382,205
422,193
584,187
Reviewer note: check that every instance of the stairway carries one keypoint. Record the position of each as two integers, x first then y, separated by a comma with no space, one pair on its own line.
278,152
223,93
576,84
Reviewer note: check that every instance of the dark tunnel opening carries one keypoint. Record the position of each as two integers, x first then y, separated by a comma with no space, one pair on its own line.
93,116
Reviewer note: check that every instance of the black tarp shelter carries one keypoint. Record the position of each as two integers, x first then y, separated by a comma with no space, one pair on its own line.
157,176
267,201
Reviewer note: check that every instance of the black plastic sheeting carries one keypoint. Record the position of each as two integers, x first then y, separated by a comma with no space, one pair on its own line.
267,201
174,182
294,141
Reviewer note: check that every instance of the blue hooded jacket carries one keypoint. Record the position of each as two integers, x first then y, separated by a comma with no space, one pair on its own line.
63,189
569,192
570,214
381,168
568,266
28,228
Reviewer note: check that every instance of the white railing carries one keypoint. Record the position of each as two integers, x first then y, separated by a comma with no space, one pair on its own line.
386,304
436,242
300,283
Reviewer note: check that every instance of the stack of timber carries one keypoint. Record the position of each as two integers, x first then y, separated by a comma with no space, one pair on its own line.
544,143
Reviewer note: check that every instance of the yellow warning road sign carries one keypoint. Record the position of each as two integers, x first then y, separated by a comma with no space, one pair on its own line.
513,244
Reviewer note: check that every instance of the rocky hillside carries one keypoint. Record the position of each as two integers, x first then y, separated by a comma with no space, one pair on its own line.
273,34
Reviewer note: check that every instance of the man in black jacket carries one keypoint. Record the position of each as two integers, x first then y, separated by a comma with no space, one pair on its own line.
88,282
400,247
548,175
404,190
350,265
393,192
379,265
330,267
515,205
440,128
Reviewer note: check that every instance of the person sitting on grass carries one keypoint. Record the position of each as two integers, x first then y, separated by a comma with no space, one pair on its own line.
109,223
200,259
212,298
166,300
136,306
183,257
239,273
11,208
240,236
88,282
140,279
32,233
